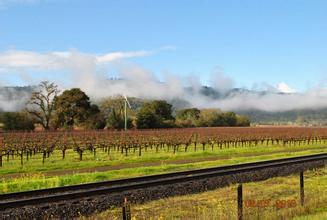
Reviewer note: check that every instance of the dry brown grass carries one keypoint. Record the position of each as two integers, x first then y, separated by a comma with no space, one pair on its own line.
221,203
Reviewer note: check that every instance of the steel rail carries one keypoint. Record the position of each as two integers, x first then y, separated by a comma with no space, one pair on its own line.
15,200
139,179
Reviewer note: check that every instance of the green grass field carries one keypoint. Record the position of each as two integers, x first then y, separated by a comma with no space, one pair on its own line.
57,172
217,204
71,161
281,195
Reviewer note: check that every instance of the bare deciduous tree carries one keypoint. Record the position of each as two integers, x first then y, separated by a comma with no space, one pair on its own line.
42,103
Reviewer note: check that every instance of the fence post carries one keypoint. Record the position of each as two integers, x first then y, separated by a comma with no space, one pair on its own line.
240,202
126,210
302,188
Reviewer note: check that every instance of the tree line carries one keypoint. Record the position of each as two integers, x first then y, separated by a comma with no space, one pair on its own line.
72,109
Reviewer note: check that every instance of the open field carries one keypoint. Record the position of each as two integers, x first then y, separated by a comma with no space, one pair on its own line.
55,163
42,160
38,180
276,198
87,199
30,152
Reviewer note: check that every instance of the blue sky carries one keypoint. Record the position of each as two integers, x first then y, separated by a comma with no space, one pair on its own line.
250,41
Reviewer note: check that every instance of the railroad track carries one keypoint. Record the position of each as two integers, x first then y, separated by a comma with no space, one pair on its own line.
60,194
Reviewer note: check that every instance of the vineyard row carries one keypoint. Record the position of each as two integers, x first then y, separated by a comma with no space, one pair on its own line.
27,145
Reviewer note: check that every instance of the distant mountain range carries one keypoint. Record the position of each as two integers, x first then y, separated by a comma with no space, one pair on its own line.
14,98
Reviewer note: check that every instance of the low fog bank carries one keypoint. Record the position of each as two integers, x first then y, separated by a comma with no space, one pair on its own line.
89,72
14,98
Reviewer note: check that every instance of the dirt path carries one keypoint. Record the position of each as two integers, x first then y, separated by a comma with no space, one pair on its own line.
145,164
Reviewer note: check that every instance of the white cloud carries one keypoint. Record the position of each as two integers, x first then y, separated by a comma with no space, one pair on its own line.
16,59
27,59
121,55
284,88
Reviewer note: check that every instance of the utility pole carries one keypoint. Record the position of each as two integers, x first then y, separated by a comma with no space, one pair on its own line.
126,103
125,115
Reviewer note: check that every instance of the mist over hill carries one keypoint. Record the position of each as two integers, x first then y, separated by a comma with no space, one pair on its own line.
241,102
14,98
317,117
314,115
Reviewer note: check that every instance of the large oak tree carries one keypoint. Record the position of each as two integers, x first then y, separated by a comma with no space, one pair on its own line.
73,107
42,103
155,114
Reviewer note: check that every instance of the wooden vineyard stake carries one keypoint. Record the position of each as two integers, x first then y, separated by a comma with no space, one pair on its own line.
302,188
240,202
126,210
